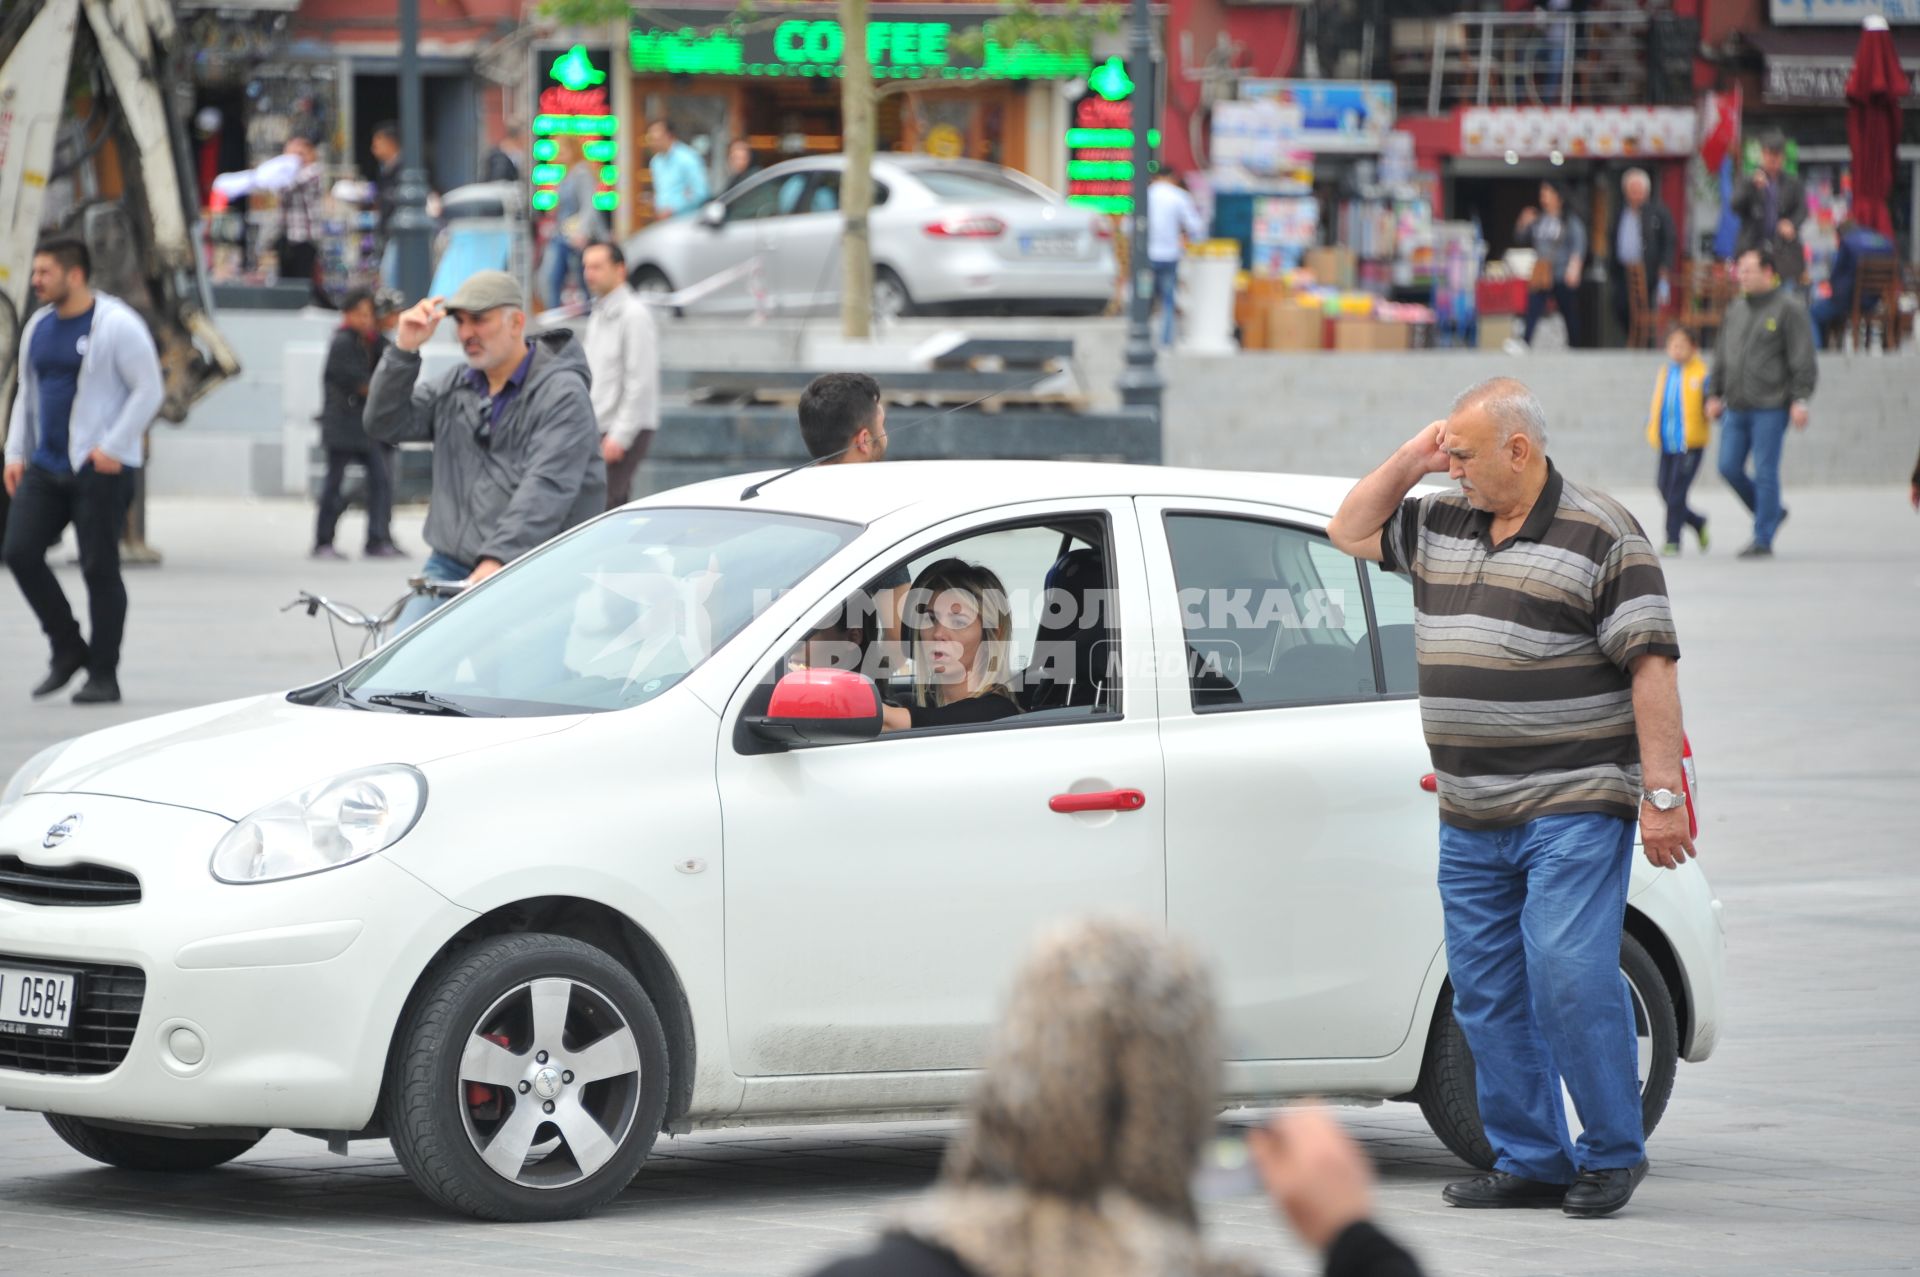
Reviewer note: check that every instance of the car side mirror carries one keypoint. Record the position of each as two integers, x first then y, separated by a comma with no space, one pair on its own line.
714,215
820,707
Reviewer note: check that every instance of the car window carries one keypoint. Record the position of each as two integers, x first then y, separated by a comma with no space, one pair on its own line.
969,185
1273,614
1054,649
758,201
1392,597
608,617
792,187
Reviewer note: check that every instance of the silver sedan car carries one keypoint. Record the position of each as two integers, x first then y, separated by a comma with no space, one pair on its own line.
948,235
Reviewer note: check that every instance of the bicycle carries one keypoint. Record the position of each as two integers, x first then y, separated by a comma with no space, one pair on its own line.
378,627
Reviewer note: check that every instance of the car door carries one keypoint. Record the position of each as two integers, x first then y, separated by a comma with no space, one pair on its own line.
1300,839
752,214
805,266
879,895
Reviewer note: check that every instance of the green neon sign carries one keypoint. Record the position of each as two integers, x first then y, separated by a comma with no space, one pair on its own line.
579,125
575,70
816,47
1100,170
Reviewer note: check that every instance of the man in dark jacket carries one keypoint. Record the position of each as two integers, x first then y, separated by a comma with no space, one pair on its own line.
1763,374
356,349
1643,237
516,451
1857,244
1771,203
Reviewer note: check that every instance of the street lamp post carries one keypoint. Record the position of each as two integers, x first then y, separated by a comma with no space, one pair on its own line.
1140,382
411,228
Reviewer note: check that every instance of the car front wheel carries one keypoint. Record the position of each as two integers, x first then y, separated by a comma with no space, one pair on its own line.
139,1151
1446,1088
529,1081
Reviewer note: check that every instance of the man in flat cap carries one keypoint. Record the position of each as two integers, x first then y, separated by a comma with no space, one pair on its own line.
516,451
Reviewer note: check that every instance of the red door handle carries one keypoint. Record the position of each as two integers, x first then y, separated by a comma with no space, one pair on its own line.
1102,800
1430,783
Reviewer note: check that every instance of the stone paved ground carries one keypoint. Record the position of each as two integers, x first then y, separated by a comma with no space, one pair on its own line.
1792,1151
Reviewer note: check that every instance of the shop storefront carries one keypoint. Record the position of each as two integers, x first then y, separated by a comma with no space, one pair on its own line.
947,88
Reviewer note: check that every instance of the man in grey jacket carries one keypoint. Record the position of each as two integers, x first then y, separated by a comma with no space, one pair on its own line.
516,453
90,385
1763,375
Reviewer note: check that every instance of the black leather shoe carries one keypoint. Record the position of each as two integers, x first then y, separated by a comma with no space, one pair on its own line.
1501,1191
1598,1193
100,689
61,672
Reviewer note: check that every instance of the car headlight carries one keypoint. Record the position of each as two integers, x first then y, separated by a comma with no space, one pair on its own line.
30,773
324,826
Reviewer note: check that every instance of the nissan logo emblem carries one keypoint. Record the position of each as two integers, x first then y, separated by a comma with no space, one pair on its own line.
61,832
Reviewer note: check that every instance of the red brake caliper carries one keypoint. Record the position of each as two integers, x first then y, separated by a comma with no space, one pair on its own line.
479,1094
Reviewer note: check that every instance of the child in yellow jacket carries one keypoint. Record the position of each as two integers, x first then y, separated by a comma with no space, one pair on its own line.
1677,428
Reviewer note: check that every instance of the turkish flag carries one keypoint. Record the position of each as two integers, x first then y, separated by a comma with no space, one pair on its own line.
1722,133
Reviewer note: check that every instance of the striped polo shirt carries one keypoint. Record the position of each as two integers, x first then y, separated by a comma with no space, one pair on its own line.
1524,651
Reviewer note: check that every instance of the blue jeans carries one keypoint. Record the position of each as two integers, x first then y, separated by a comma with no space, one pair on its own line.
438,568
1533,917
567,263
1761,431
1166,286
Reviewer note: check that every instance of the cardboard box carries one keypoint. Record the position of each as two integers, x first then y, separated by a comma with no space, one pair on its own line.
1497,330
1371,335
1332,267
1291,326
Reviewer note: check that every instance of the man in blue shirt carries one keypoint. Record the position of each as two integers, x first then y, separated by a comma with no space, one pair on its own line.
89,386
1857,243
679,176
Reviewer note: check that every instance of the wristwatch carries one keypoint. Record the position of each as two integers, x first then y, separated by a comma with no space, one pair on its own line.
1663,799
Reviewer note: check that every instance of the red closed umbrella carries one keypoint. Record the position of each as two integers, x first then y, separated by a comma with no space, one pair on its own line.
1875,88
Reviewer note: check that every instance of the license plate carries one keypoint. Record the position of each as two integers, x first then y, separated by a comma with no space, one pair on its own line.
37,1004
1053,244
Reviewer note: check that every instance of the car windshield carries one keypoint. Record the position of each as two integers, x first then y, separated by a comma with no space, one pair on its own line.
601,620
971,185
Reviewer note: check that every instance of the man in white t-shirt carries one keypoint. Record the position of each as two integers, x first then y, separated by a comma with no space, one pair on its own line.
1172,220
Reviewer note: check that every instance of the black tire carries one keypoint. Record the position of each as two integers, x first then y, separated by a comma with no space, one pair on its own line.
887,286
1446,1093
137,1151
650,279
438,1117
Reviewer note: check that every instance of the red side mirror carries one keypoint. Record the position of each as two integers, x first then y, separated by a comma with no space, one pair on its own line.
820,707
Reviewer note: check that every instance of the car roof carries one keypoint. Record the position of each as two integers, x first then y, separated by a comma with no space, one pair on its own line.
940,490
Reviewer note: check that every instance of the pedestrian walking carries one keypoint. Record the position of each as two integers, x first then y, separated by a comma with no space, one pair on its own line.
679,175
577,223
1677,428
516,451
386,190
740,165
1084,1134
1172,221
89,386
351,358
1549,692
1560,238
1764,372
1643,237
623,354
1771,203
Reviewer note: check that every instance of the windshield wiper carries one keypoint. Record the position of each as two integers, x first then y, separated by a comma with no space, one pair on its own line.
424,703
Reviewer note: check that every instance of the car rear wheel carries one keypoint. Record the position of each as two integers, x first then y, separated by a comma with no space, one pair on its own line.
529,1081
891,300
139,1151
1446,1088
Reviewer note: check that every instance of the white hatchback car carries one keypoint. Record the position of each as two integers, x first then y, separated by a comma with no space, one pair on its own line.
604,849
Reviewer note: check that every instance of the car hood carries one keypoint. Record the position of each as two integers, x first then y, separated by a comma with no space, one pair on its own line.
234,758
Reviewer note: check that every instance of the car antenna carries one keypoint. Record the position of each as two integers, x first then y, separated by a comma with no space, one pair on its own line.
753,490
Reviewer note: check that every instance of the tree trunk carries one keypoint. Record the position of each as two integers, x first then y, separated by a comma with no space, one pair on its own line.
856,186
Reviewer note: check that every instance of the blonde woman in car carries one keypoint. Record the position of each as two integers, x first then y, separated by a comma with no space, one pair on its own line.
961,629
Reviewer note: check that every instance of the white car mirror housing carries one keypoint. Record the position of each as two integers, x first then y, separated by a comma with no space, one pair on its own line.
324,826
714,215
